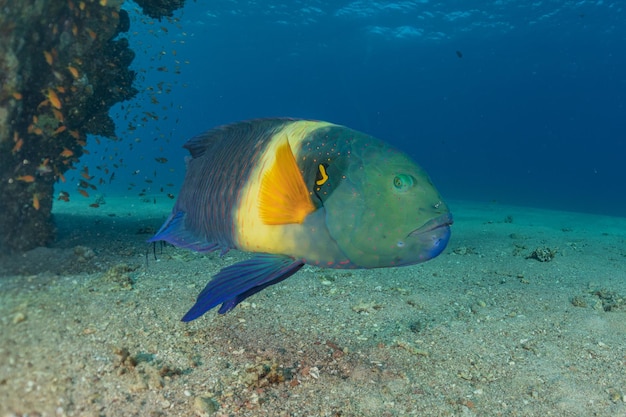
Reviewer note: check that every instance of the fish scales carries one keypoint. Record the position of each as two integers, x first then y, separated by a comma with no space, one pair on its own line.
222,160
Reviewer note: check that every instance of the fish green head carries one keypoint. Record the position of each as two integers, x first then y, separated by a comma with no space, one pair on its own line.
381,208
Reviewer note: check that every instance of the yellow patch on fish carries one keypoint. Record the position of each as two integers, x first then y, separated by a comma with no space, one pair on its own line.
322,174
284,197
260,212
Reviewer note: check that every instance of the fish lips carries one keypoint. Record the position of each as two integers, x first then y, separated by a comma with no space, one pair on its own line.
434,234
442,221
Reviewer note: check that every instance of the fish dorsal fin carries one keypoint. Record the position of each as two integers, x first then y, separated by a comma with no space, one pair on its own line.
284,197
198,145
204,142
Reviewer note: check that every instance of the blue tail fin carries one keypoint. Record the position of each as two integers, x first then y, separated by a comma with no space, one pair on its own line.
174,231
237,282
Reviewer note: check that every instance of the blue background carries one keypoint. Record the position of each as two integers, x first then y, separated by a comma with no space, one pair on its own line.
533,113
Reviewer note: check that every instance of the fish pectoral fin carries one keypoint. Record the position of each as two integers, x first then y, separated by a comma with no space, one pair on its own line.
284,197
237,282
174,231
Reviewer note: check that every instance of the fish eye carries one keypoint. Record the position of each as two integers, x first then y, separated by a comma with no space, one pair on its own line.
402,182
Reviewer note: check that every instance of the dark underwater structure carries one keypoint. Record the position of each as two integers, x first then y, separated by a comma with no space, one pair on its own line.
62,67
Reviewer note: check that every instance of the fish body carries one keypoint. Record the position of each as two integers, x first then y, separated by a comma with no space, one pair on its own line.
298,192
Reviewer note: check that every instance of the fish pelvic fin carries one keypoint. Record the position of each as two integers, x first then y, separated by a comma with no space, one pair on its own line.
284,197
174,231
237,282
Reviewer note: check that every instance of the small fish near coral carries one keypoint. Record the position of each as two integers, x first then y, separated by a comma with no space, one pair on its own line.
298,192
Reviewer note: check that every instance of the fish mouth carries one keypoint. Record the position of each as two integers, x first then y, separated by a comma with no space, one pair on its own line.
444,220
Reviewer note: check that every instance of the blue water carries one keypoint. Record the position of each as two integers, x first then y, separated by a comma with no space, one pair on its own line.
517,102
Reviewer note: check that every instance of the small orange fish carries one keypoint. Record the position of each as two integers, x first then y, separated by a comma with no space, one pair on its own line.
91,34
35,201
43,103
18,144
60,129
58,115
84,193
85,174
54,99
73,71
66,153
44,168
94,205
17,95
26,178
49,57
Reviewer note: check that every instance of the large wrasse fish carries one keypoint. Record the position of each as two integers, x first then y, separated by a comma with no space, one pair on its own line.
299,192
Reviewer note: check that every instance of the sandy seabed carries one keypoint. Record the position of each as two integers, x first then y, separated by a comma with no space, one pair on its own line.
523,315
